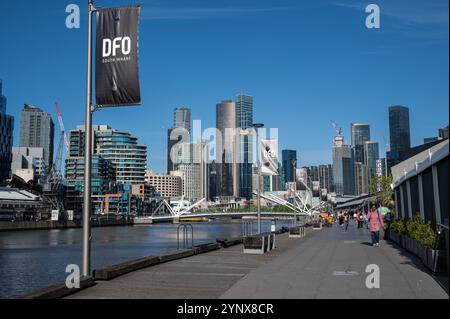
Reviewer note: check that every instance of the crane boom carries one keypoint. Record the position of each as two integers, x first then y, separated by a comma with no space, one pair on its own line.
61,126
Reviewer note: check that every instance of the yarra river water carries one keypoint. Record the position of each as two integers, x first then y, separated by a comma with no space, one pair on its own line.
31,260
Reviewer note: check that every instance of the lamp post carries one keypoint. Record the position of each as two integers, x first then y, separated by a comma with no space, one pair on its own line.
87,153
294,163
258,126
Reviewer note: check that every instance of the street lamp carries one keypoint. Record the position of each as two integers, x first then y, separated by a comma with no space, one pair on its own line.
294,176
258,126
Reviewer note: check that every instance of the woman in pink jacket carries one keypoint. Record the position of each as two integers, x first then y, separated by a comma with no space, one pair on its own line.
375,224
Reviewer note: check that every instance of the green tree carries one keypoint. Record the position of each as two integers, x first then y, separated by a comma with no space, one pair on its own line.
381,187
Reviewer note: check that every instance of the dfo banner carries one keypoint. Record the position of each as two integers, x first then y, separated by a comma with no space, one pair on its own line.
116,67
269,157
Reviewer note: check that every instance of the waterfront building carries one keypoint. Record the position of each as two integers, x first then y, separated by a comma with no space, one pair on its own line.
102,180
122,149
168,186
37,130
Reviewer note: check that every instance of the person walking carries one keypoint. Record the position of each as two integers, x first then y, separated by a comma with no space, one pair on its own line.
375,225
346,221
360,220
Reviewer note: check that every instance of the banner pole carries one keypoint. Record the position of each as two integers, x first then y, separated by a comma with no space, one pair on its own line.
88,153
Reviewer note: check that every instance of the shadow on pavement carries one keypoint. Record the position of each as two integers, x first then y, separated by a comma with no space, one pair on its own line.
441,279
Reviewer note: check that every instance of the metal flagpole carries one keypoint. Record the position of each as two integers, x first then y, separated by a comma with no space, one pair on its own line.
87,153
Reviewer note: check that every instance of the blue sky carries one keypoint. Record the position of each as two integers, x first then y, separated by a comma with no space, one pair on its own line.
305,62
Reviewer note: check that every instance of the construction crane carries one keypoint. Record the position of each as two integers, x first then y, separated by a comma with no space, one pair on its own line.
52,190
338,140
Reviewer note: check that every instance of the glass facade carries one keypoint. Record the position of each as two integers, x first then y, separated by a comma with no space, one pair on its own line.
372,155
289,159
360,135
127,156
244,120
400,135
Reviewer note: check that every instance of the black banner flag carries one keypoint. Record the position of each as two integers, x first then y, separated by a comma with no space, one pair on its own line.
116,64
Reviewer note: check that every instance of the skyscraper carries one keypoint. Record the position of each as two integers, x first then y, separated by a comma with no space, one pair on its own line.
326,177
360,134
372,154
180,131
182,118
37,130
244,121
400,136
2,100
6,139
361,178
289,160
343,170
225,150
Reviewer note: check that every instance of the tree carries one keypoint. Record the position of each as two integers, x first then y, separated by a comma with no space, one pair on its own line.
381,187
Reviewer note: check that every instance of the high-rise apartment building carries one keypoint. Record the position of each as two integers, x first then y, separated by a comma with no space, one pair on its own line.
37,130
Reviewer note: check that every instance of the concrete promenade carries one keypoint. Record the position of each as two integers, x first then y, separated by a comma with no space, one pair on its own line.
329,263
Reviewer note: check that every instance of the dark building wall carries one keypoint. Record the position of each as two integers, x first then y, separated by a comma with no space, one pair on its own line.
6,141
443,173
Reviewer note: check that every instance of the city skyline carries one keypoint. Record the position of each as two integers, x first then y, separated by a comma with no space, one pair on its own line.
296,86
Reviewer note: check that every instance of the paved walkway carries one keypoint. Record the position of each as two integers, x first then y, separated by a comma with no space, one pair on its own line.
332,265
327,264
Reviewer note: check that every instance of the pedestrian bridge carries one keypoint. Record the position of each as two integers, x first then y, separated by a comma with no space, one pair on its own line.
233,215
